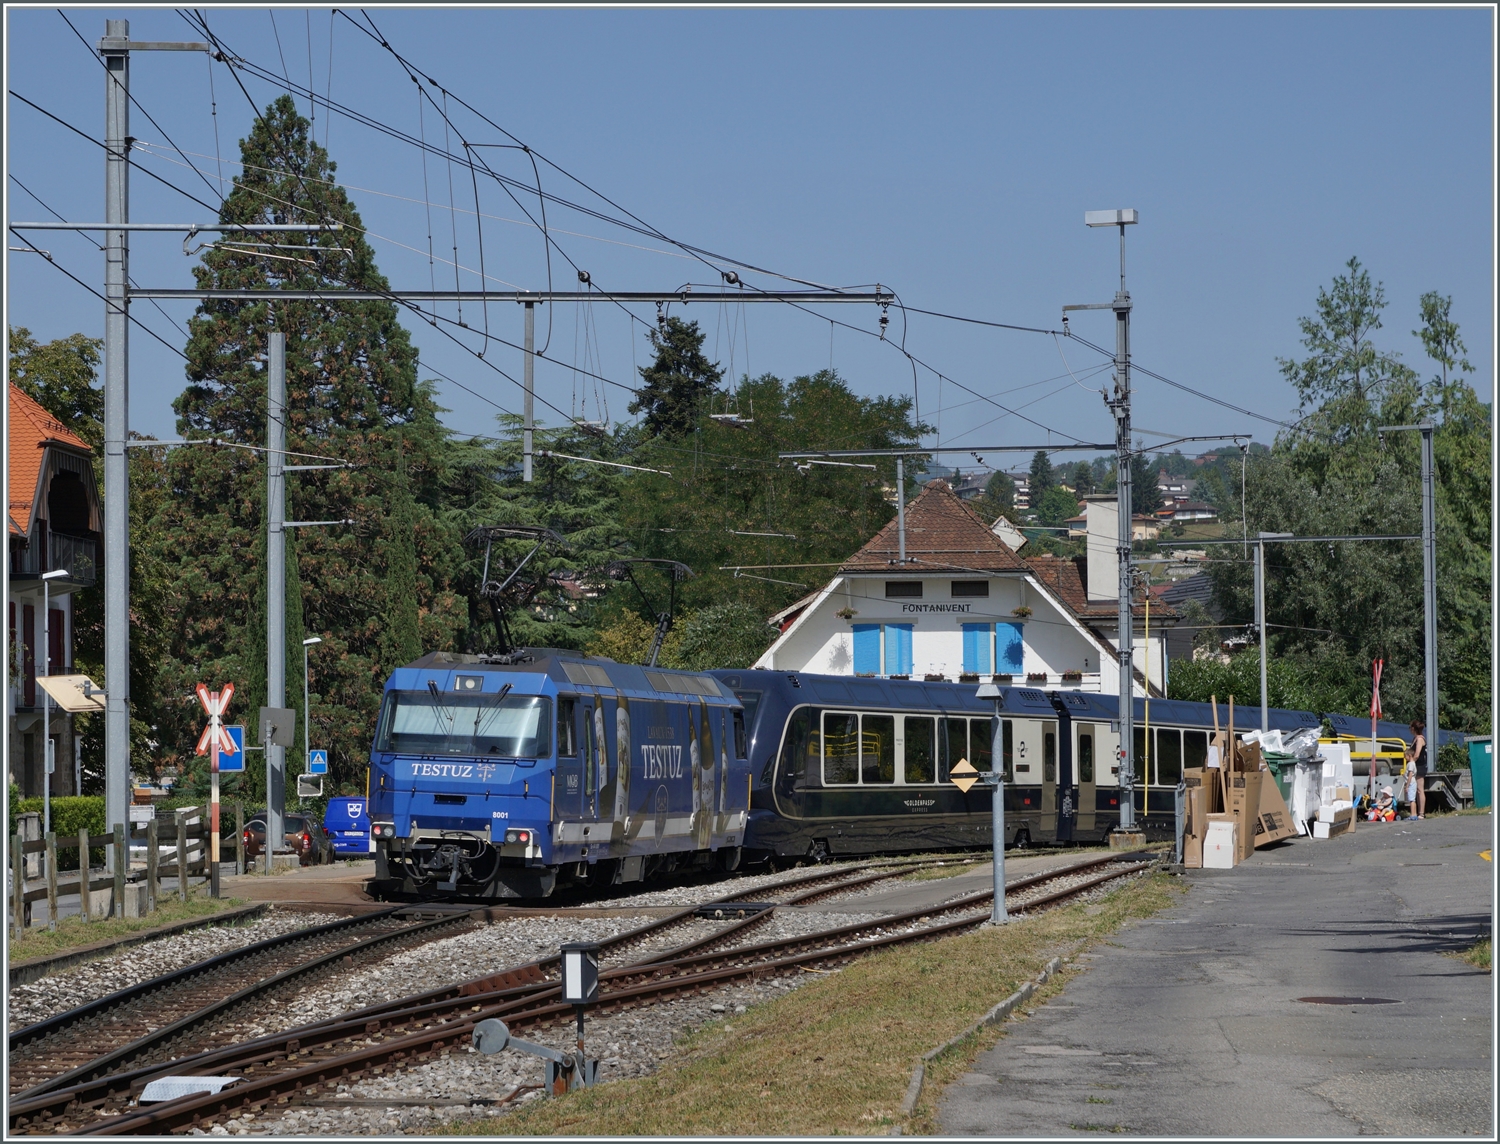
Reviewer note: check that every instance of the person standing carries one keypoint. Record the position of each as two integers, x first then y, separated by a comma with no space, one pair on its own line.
1416,758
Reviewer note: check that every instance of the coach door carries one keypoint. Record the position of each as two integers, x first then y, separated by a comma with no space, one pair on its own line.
594,761
1083,762
1049,781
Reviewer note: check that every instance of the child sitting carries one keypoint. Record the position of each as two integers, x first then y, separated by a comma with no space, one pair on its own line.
1384,809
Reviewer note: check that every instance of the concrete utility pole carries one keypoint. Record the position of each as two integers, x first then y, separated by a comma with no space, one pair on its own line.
1429,589
1429,577
528,419
116,424
115,49
275,585
901,510
1260,618
1119,405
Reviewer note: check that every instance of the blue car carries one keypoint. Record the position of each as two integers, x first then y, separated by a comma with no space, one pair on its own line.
347,821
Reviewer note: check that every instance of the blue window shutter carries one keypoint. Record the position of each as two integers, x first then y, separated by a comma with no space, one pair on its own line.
1010,648
866,649
977,648
898,649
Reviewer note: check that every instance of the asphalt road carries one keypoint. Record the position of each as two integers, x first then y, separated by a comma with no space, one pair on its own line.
1189,1023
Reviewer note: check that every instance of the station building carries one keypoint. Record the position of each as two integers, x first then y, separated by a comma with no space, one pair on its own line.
53,522
966,606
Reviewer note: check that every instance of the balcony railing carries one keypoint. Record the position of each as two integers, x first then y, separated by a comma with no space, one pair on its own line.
51,551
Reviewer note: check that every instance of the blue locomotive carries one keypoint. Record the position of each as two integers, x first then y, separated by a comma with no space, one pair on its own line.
511,776
850,765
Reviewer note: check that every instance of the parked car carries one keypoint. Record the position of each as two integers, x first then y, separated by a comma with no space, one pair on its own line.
347,821
305,837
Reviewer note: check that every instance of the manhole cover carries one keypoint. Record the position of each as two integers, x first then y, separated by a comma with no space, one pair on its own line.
1349,1000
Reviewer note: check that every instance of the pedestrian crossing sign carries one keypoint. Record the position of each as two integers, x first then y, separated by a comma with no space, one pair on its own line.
230,761
317,762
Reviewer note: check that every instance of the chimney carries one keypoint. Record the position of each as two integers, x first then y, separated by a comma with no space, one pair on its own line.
1102,522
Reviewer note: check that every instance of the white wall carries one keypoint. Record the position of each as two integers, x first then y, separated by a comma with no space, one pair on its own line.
821,641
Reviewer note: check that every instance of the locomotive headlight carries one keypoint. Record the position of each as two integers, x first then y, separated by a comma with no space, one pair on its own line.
383,830
522,836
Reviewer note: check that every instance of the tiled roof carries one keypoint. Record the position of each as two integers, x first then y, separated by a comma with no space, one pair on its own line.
1067,579
32,429
942,533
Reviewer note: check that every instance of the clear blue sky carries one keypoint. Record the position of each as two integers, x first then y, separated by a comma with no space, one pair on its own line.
949,154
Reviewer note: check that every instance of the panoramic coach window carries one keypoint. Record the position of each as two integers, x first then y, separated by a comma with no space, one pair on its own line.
979,589
877,749
1049,757
903,589
981,743
955,745
921,750
421,723
1195,748
840,749
1008,747
1168,756
800,745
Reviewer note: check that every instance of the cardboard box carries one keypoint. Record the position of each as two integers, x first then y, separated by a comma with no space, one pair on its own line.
1195,823
1250,758
1244,805
1221,844
1333,829
1274,822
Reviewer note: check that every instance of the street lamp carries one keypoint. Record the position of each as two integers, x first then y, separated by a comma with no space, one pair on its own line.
49,756
306,711
995,780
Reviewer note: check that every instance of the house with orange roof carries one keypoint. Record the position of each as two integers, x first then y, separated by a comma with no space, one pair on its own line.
54,521
964,606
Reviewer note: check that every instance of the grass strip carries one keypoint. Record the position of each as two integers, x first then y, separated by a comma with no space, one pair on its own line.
74,933
1478,954
835,1056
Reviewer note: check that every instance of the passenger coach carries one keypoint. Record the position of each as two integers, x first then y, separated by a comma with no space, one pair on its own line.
849,765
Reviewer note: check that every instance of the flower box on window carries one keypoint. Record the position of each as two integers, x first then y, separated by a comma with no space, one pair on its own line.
969,677
934,677
898,677
1002,678
1036,677
1072,677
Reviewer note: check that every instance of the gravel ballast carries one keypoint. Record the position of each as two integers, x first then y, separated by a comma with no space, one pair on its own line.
80,984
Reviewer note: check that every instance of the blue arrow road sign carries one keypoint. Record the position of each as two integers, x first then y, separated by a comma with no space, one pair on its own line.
317,762
236,761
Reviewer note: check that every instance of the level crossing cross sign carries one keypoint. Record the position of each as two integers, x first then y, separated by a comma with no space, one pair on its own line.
963,775
317,762
215,740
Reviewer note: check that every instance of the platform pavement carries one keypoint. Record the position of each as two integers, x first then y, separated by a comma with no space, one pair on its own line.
1187,1024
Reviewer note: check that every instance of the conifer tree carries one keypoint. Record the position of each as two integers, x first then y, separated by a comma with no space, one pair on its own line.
352,394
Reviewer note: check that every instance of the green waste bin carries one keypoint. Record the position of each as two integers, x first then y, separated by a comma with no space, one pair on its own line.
1284,768
1481,768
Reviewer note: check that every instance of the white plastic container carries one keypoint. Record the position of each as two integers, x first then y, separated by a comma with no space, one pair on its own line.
1221,846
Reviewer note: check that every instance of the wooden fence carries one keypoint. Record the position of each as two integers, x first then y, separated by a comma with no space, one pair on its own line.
188,858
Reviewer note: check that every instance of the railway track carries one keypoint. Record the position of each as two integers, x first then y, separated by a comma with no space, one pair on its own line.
300,1062
150,1021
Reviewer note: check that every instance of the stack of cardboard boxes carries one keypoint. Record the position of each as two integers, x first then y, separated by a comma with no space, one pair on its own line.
1233,805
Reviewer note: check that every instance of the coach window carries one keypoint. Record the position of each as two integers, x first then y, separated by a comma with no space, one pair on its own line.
1168,756
921,750
840,749
1141,760
1049,757
799,746
981,742
567,730
877,750
1195,748
1085,758
955,746
740,749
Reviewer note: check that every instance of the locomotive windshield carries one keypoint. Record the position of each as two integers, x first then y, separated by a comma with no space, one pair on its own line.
449,723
